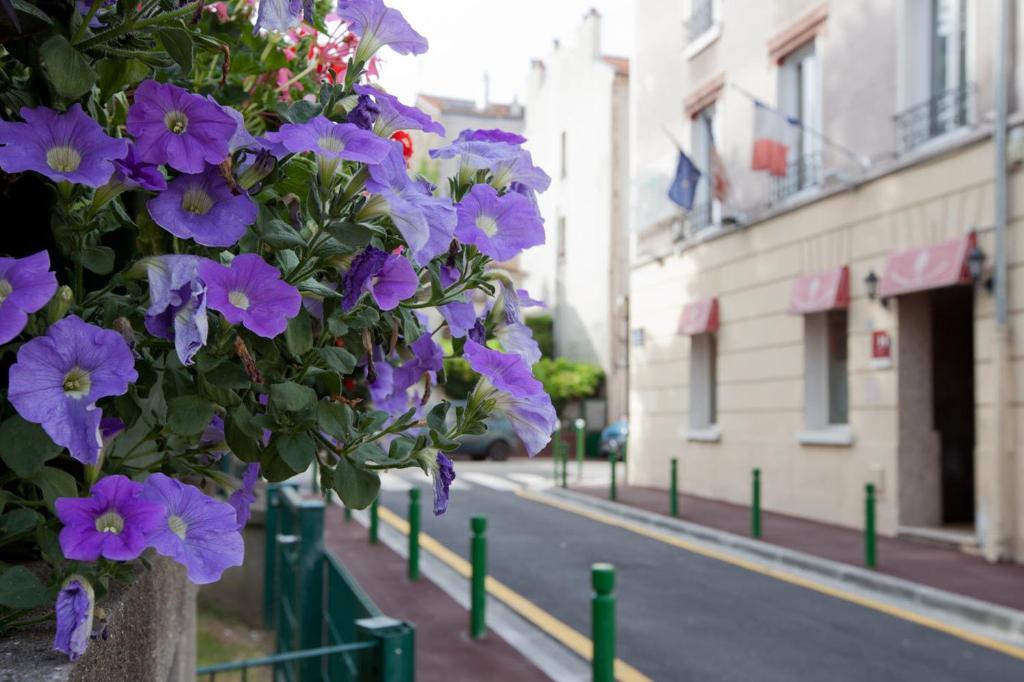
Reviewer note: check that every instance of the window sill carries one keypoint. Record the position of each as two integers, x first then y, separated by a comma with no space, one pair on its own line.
836,435
706,434
703,41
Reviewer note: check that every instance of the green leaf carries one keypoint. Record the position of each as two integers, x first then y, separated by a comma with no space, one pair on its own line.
18,521
188,415
336,419
293,406
54,483
67,69
352,236
25,447
298,336
274,468
19,589
243,435
296,449
117,74
97,258
338,359
279,234
410,325
356,486
228,375
437,416
178,43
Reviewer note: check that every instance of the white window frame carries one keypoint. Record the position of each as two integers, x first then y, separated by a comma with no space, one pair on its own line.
703,127
819,427
703,424
800,96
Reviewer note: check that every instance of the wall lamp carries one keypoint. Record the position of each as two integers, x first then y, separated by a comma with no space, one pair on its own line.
976,267
871,284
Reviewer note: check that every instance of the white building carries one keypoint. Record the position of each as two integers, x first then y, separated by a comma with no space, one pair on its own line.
577,129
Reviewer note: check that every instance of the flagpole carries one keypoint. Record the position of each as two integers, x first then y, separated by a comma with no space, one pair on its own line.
863,161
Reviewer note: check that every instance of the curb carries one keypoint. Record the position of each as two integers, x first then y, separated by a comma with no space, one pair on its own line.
998,621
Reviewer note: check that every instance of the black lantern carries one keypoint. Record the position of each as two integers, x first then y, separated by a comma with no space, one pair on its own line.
976,263
871,283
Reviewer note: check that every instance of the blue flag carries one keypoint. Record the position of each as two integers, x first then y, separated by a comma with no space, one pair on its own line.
684,187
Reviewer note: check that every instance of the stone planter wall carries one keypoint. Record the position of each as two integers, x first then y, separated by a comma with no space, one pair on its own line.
151,637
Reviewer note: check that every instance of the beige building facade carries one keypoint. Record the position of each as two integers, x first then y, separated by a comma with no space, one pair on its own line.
577,128
836,325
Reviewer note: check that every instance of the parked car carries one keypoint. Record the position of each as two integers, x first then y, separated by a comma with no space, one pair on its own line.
613,437
496,443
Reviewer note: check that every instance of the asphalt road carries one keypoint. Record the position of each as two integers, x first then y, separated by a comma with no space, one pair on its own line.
683,616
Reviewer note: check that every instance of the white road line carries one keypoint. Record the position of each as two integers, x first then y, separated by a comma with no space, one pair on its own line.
393,483
488,481
531,480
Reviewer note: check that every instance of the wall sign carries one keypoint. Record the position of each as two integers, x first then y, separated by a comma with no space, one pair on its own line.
881,349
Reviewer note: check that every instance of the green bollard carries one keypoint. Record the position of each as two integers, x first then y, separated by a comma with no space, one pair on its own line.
348,514
581,426
556,439
602,622
565,465
414,534
755,507
478,586
673,489
870,556
613,457
374,521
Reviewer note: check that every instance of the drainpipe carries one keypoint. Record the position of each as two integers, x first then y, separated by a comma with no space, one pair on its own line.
1001,540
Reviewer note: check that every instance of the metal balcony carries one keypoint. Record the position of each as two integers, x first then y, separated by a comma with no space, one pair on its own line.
801,173
937,116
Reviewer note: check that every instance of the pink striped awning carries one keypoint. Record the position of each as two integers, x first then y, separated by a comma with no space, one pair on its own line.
821,291
699,317
927,267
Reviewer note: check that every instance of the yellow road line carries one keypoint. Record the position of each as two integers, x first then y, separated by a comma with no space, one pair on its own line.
515,601
785,576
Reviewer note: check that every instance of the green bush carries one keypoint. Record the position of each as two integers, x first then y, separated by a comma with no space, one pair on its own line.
542,327
565,380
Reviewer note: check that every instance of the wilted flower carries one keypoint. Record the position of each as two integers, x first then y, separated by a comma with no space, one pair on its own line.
74,609
59,377
364,113
252,293
69,146
113,522
377,26
444,474
395,116
131,172
177,303
389,279
203,208
174,126
26,285
197,531
506,380
500,226
243,498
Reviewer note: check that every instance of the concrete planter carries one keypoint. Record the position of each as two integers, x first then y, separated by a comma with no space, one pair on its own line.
151,636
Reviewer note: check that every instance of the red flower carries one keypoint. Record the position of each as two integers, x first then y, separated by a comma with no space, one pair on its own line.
406,141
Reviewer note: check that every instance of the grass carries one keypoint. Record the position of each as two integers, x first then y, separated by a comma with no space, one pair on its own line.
223,638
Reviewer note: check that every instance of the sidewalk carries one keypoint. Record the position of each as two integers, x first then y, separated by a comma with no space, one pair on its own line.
934,566
444,650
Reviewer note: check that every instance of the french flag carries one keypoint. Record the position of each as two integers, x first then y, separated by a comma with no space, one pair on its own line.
772,133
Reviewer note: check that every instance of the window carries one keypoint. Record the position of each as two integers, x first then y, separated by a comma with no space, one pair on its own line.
706,209
826,381
562,148
800,98
703,386
561,237
702,18
937,91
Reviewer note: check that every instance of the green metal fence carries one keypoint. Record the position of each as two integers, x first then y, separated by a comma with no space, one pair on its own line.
327,627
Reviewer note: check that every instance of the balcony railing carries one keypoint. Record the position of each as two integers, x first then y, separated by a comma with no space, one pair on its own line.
801,173
701,19
699,218
937,116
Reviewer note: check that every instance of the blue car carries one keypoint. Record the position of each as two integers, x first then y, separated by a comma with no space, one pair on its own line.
496,443
613,437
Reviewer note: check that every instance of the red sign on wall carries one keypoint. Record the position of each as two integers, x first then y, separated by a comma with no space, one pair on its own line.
881,349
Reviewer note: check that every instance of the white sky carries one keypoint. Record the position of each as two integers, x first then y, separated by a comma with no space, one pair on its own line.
499,37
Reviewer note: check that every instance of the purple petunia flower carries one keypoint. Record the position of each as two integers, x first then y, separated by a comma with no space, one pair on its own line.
241,137
241,500
251,293
364,113
282,15
203,208
490,135
177,303
443,477
330,140
517,338
59,377
85,5
506,379
26,285
427,223
132,172
395,116
113,522
527,301
174,126
377,26
74,609
389,279
197,531
507,163
500,226
69,146
427,353
389,390
460,316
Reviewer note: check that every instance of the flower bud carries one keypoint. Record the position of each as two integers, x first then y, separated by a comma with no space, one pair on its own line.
248,361
262,166
60,304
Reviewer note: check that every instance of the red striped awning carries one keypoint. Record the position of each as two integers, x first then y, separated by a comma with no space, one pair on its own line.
699,317
927,267
821,291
